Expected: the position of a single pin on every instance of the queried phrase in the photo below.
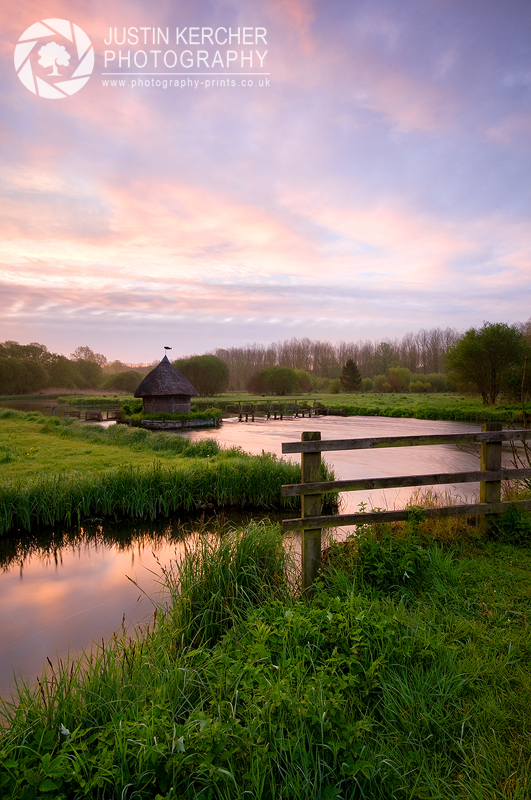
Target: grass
(409, 683)
(439, 406)
(64, 472)
(34, 445)
(443, 406)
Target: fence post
(491, 453)
(310, 507)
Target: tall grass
(241, 481)
(238, 689)
(190, 476)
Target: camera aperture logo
(61, 65)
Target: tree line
(423, 352)
(492, 360)
(30, 368)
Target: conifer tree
(350, 377)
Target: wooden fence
(311, 522)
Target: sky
(373, 180)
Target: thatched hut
(166, 389)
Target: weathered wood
(328, 445)
(490, 459)
(292, 490)
(368, 518)
(310, 507)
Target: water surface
(64, 590)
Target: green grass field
(63, 471)
(444, 406)
(440, 406)
(28, 449)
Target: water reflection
(66, 589)
(62, 590)
(395, 461)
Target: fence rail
(311, 490)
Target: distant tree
(385, 356)
(64, 374)
(483, 360)
(51, 55)
(381, 384)
(305, 380)
(398, 379)
(350, 378)
(34, 351)
(209, 375)
(127, 381)
(86, 354)
(21, 376)
(274, 380)
(91, 372)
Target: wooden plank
(292, 490)
(491, 459)
(328, 445)
(368, 518)
(311, 507)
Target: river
(60, 593)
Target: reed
(146, 493)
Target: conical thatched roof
(165, 380)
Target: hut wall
(170, 404)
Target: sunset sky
(378, 181)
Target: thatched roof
(165, 380)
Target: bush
(513, 527)
(380, 384)
(398, 379)
(305, 380)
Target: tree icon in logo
(51, 55)
(77, 68)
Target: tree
(483, 360)
(127, 381)
(305, 380)
(209, 375)
(274, 380)
(91, 372)
(398, 379)
(34, 351)
(51, 55)
(84, 353)
(350, 378)
(64, 373)
(21, 376)
(385, 356)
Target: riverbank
(407, 675)
(431, 406)
(62, 472)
